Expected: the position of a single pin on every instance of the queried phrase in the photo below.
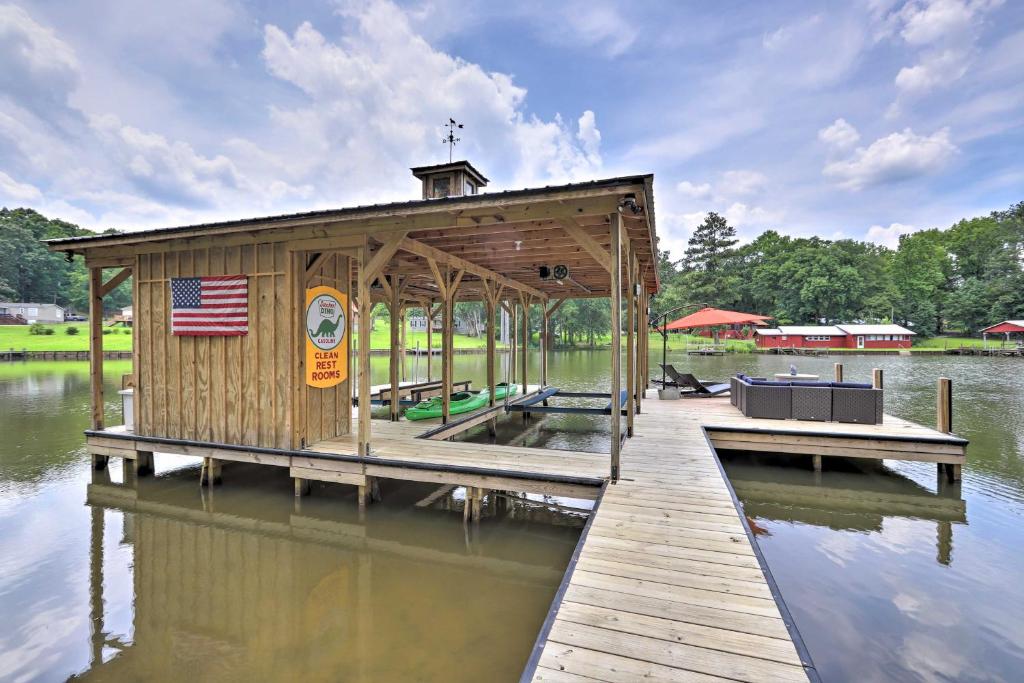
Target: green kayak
(461, 402)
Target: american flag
(215, 306)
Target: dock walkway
(666, 584)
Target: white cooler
(128, 408)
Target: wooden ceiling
(517, 250)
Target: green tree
(709, 273)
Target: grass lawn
(956, 342)
(17, 337)
(380, 338)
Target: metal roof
(809, 330)
(1015, 323)
(875, 329)
(346, 212)
(461, 165)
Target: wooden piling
(838, 370)
(96, 345)
(394, 377)
(944, 423)
(876, 378)
(211, 472)
(616, 321)
(302, 487)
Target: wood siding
(329, 411)
(221, 389)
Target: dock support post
(144, 463)
(944, 423)
(525, 303)
(876, 379)
(430, 312)
(473, 509)
(616, 321)
(302, 487)
(99, 462)
(489, 315)
(96, 346)
(210, 473)
(363, 378)
(838, 372)
(395, 380)
(630, 347)
(816, 462)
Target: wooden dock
(666, 582)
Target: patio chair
(698, 389)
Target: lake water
(889, 576)
(166, 581)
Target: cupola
(454, 179)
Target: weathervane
(450, 139)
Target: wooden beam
(393, 374)
(96, 345)
(383, 255)
(489, 313)
(317, 264)
(524, 301)
(630, 345)
(112, 284)
(363, 374)
(428, 252)
(573, 228)
(615, 272)
(550, 311)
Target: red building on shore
(834, 337)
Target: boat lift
(539, 403)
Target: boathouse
(1006, 327)
(274, 370)
(843, 336)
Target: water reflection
(850, 496)
(242, 585)
(108, 578)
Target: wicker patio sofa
(819, 401)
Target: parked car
(74, 318)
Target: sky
(863, 119)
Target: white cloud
(947, 32)
(688, 189)
(741, 183)
(594, 23)
(840, 135)
(889, 236)
(19, 192)
(935, 70)
(896, 157)
(37, 69)
(590, 137)
(926, 21)
(376, 99)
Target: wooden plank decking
(666, 585)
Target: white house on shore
(33, 312)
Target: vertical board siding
(221, 389)
(328, 412)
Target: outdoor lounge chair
(698, 389)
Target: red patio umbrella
(705, 317)
(709, 317)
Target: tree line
(962, 278)
(31, 272)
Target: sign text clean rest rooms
(326, 345)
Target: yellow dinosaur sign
(326, 344)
